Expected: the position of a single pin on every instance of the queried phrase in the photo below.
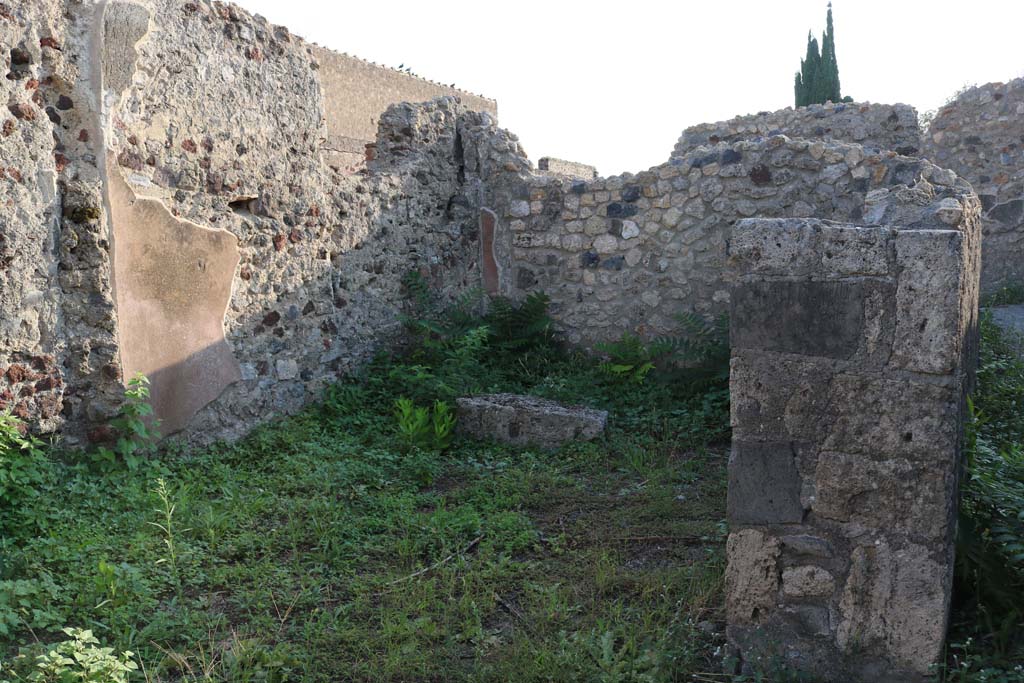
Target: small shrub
(79, 659)
(630, 359)
(23, 469)
(136, 438)
(423, 428)
(27, 602)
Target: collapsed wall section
(877, 127)
(852, 352)
(631, 253)
(980, 135)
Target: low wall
(852, 354)
(632, 252)
(877, 127)
(980, 135)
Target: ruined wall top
(875, 126)
(566, 169)
(980, 135)
(356, 93)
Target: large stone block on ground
(528, 420)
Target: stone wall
(852, 355)
(630, 253)
(174, 213)
(566, 169)
(877, 127)
(357, 92)
(980, 135)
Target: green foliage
(697, 358)
(519, 328)
(423, 428)
(817, 82)
(79, 659)
(990, 533)
(630, 359)
(966, 665)
(27, 603)
(1006, 296)
(136, 438)
(23, 470)
(359, 540)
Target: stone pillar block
(852, 355)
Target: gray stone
(764, 484)
(811, 318)
(528, 420)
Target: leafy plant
(990, 533)
(697, 358)
(423, 428)
(27, 602)
(167, 526)
(23, 468)
(630, 359)
(136, 437)
(79, 659)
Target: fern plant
(630, 359)
(520, 327)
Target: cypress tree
(810, 74)
(818, 79)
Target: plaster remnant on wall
(173, 283)
(124, 25)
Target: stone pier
(851, 359)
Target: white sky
(613, 84)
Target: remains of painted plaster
(211, 121)
(852, 356)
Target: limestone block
(895, 602)
(752, 575)
(896, 494)
(932, 273)
(775, 398)
(824, 319)
(527, 420)
(807, 581)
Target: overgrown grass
(329, 546)
(345, 544)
